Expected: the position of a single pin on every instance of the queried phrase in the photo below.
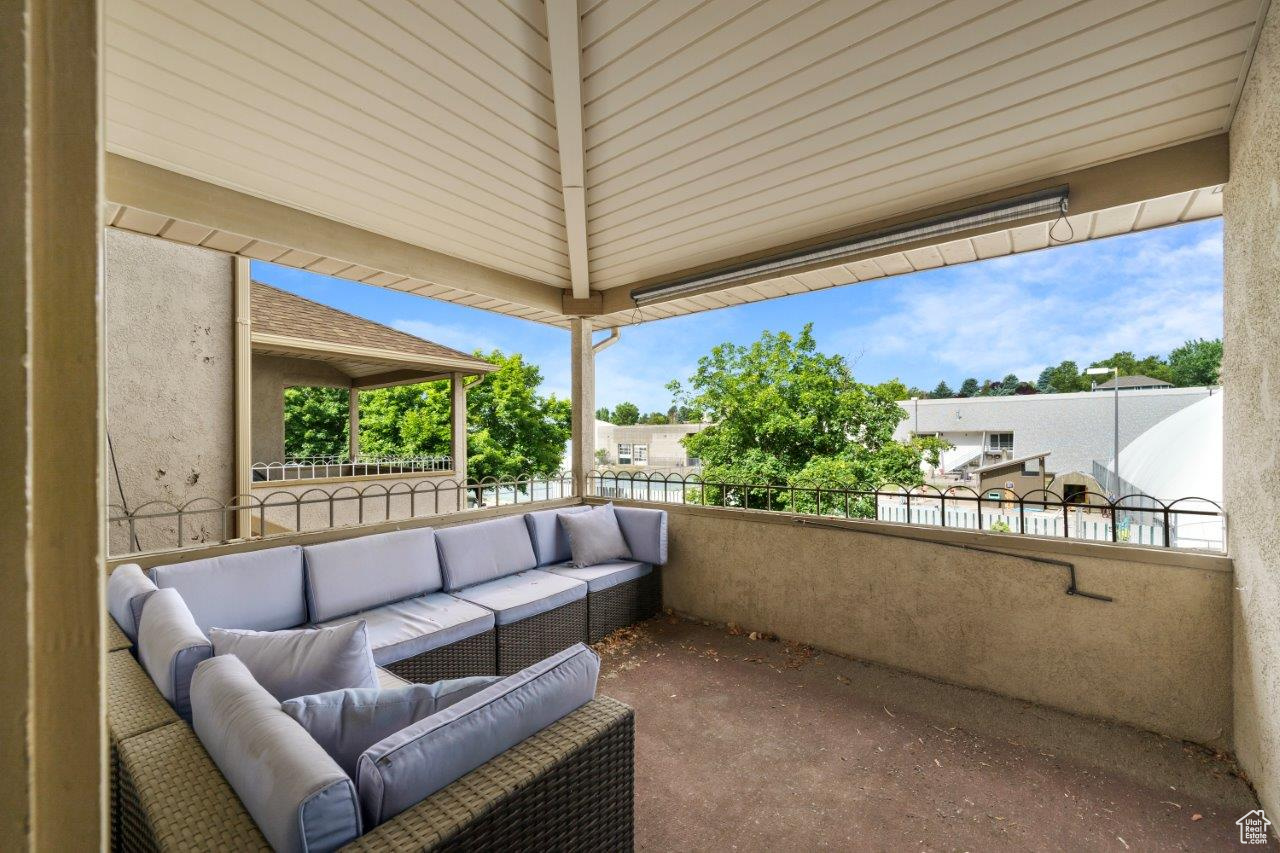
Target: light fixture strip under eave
(1039, 203)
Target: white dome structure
(1181, 456)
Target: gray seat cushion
(645, 531)
(258, 590)
(127, 588)
(550, 545)
(417, 761)
(388, 680)
(602, 576)
(475, 553)
(296, 793)
(303, 661)
(523, 595)
(595, 537)
(408, 628)
(347, 722)
(358, 574)
(170, 646)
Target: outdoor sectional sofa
(490, 598)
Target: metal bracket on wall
(1072, 587)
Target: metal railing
(317, 467)
(1187, 523)
(199, 522)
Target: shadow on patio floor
(748, 744)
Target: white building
(1077, 429)
(645, 445)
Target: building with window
(645, 445)
(1078, 428)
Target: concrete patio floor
(748, 744)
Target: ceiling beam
(184, 199)
(566, 86)
(1142, 177)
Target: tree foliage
(315, 422)
(783, 413)
(1197, 362)
(512, 430)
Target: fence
(161, 525)
(316, 467)
(1188, 523)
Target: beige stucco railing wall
(1157, 657)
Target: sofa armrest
(127, 590)
(645, 531)
(579, 769)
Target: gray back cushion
(475, 553)
(550, 545)
(595, 537)
(417, 761)
(359, 574)
(645, 531)
(297, 794)
(259, 590)
(170, 646)
(347, 722)
(127, 588)
(303, 661)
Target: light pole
(1103, 371)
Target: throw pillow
(595, 537)
(303, 661)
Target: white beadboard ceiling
(711, 129)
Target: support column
(243, 279)
(52, 744)
(353, 424)
(583, 389)
(1251, 413)
(458, 426)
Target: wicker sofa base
(528, 641)
(477, 655)
(569, 787)
(623, 605)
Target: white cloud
(458, 337)
(1146, 293)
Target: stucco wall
(1075, 429)
(271, 375)
(1251, 375)
(170, 377)
(1158, 657)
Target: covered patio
(597, 165)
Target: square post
(353, 424)
(52, 738)
(458, 426)
(583, 389)
(242, 282)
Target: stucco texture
(170, 381)
(1158, 657)
(1251, 375)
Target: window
(1031, 468)
(624, 454)
(1000, 441)
(640, 454)
(994, 495)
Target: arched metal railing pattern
(318, 467)
(1111, 518)
(165, 525)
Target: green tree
(1062, 379)
(602, 413)
(968, 388)
(688, 415)
(626, 414)
(512, 431)
(315, 422)
(784, 413)
(1197, 362)
(655, 418)
(1130, 365)
(942, 391)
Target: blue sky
(1146, 292)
